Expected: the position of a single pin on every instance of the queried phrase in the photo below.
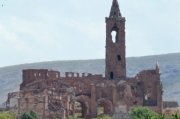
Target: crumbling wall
(147, 86)
(48, 101)
(124, 93)
(31, 75)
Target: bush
(106, 117)
(175, 116)
(5, 115)
(29, 115)
(143, 113)
(146, 113)
(55, 118)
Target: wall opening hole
(114, 13)
(85, 74)
(80, 74)
(139, 83)
(135, 102)
(35, 74)
(146, 97)
(113, 34)
(81, 109)
(75, 75)
(111, 75)
(70, 75)
(78, 109)
(100, 109)
(119, 57)
(39, 74)
(57, 75)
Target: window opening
(111, 75)
(135, 102)
(146, 97)
(119, 57)
(113, 33)
(57, 75)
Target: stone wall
(48, 103)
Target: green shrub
(159, 117)
(106, 117)
(175, 116)
(29, 115)
(55, 118)
(142, 113)
(4, 115)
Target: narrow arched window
(111, 75)
(113, 34)
(119, 57)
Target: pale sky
(48, 30)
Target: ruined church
(50, 94)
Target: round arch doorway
(82, 108)
(104, 107)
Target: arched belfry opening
(114, 33)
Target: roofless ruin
(51, 95)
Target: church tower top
(115, 11)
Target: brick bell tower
(115, 50)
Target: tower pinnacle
(157, 68)
(115, 12)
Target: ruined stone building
(50, 94)
(170, 104)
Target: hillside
(11, 76)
